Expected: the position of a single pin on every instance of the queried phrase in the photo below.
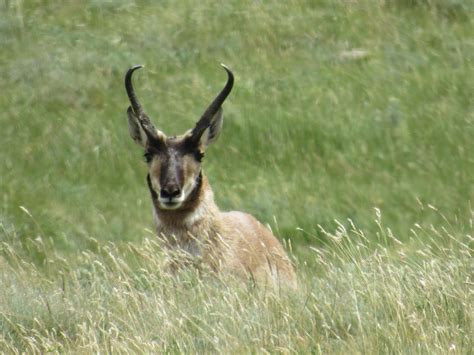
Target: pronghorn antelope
(187, 219)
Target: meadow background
(349, 131)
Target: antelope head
(174, 163)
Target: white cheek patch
(155, 183)
(154, 172)
(188, 188)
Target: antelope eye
(198, 155)
(148, 156)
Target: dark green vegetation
(338, 107)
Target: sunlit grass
(366, 295)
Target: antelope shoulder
(254, 250)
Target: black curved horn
(207, 116)
(137, 108)
(143, 119)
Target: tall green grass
(339, 107)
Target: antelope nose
(170, 191)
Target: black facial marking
(198, 182)
(153, 193)
(190, 147)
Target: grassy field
(349, 131)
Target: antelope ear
(138, 134)
(212, 132)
